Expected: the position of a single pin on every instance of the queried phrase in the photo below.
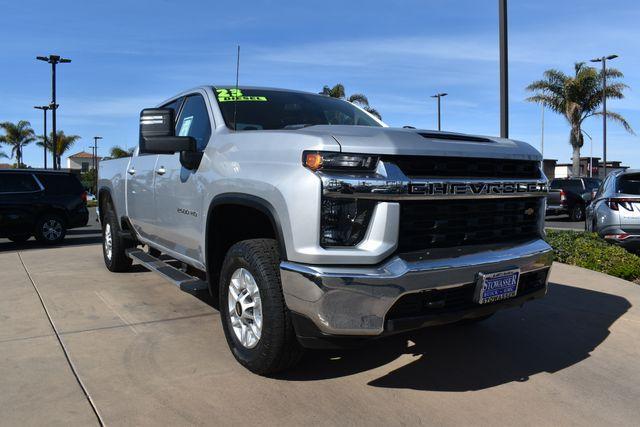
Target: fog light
(344, 222)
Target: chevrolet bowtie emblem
(529, 211)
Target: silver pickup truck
(315, 225)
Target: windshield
(629, 184)
(257, 109)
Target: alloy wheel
(108, 241)
(245, 308)
(52, 229)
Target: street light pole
(542, 134)
(44, 109)
(54, 60)
(438, 96)
(95, 160)
(504, 71)
(604, 59)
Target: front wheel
(255, 319)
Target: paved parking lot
(148, 354)
(563, 223)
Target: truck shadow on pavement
(547, 335)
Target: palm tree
(117, 152)
(3, 155)
(577, 98)
(359, 99)
(17, 135)
(65, 142)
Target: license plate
(493, 287)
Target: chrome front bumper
(342, 300)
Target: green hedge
(590, 251)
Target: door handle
(161, 170)
(131, 171)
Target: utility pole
(504, 71)
(95, 161)
(542, 134)
(54, 60)
(604, 60)
(44, 109)
(438, 96)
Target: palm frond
(360, 99)
(117, 152)
(618, 118)
(373, 111)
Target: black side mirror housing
(157, 136)
(157, 122)
(167, 144)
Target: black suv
(40, 203)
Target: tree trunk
(576, 161)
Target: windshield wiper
(298, 126)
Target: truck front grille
(460, 298)
(426, 224)
(456, 167)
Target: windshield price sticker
(226, 95)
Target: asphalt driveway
(147, 354)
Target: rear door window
(628, 184)
(60, 184)
(18, 183)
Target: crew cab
(317, 225)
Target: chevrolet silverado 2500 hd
(314, 223)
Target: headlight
(339, 161)
(344, 222)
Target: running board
(179, 278)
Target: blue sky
(131, 55)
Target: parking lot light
(54, 60)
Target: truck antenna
(235, 98)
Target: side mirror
(157, 133)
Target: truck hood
(401, 141)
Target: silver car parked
(615, 211)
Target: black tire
(20, 239)
(116, 259)
(577, 213)
(50, 229)
(277, 348)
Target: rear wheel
(113, 245)
(255, 319)
(577, 213)
(50, 229)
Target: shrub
(588, 250)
